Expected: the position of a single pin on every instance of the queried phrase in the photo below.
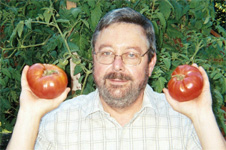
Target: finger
(24, 77)
(205, 77)
(170, 100)
(204, 74)
(62, 97)
(195, 65)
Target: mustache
(115, 75)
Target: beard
(121, 96)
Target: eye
(131, 55)
(106, 53)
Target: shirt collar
(94, 105)
(149, 96)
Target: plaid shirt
(82, 124)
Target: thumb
(58, 100)
(170, 100)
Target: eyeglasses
(129, 58)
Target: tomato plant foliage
(46, 32)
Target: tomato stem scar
(179, 77)
(49, 72)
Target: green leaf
(3, 82)
(80, 79)
(20, 27)
(194, 4)
(6, 72)
(13, 35)
(28, 23)
(63, 20)
(16, 75)
(91, 3)
(213, 73)
(73, 47)
(78, 69)
(217, 76)
(85, 8)
(88, 88)
(47, 15)
(184, 57)
(157, 72)
(160, 38)
(167, 63)
(221, 30)
(90, 79)
(52, 43)
(207, 20)
(82, 42)
(75, 11)
(198, 24)
(223, 85)
(155, 25)
(13, 95)
(5, 104)
(178, 9)
(162, 20)
(53, 54)
(86, 23)
(165, 7)
(220, 43)
(218, 96)
(173, 32)
(95, 16)
(40, 16)
(159, 84)
(175, 55)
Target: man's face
(120, 84)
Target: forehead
(121, 36)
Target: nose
(118, 64)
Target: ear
(151, 64)
(93, 55)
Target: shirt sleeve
(193, 142)
(42, 143)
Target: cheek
(98, 71)
(137, 75)
(139, 72)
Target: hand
(196, 107)
(30, 103)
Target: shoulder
(75, 107)
(77, 102)
(161, 105)
(157, 100)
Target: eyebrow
(104, 46)
(127, 48)
(135, 48)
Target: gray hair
(127, 15)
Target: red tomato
(186, 83)
(46, 80)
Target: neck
(123, 115)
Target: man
(124, 112)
